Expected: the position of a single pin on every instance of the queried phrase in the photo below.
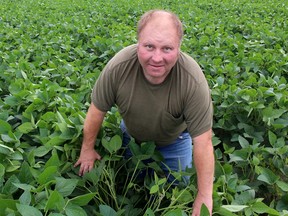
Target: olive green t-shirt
(161, 112)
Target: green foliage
(51, 53)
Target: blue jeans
(177, 156)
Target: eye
(149, 47)
(167, 49)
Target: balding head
(160, 14)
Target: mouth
(156, 66)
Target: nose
(157, 56)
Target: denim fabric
(177, 156)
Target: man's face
(158, 48)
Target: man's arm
(92, 125)
(203, 154)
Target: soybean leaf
(270, 114)
(25, 198)
(148, 148)
(73, 209)
(55, 201)
(24, 186)
(42, 151)
(5, 149)
(272, 138)
(9, 187)
(2, 171)
(4, 127)
(82, 200)
(47, 175)
(26, 127)
(116, 143)
(135, 148)
(149, 212)
(154, 189)
(234, 208)
(25, 175)
(267, 176)
(107, 210)
(282, 185)
(184, 196)
(261, 208)
(175, 212)
(65, 186)
(113, 145)
(55, 141)
(53, 160)
(204, 210)
(26, 210)
(7, 203)
(56, 214)
(243, 142)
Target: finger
(82, 170)
(77, 163)
(85, 168)
(97, 156)
(90, 168)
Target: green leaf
(47, 175)
(25, 198)
(148, 148)
(184, 196)
(107, 210)
(72, 210)
(234, 208)
(5, 149)
(261, 208)
(7, 203)
(149, 212)
(204, 210)
(135, 148)
(154, 189)
(4, 127)
(56, 214)
(113, 145)
(225, 212)
(26, 210)
(25, 175)
(42, 151)
(55, 141)
(272, 138)
(116, 143)
(238, 155)
(53, 160)
(82, 200)
(65, 186)
(55, 202)
(9, 187)
(162, 181)
(26, 127)
(267, 176)
(2, 171)
(269, 114)
(175, 212)
(243, 142)
(282, 185)
(24, 186)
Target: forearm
(203, 152)
(204, 164)
(92, 125)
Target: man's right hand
(86, 160)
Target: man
(162, 96)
